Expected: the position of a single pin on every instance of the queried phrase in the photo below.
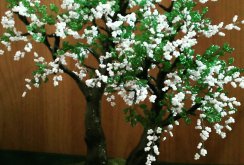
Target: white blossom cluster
(90, 34)
(133, 93)
(1, 52)
(69, 5)
(153, 137)
(22, 9)
(110, 98)
(171, 48)
(96, 82)
(186, 42)
(216, 77)
(62, 29)
(47, 68)
(172, 82)
(103, 9)
(218, 29)
(80, 71)
(178, 103)
(189, 26)
(220, 102)
(21, 54)
(135, 44)
(204, 134)
(170, 128)
(205, 1)
(8, 20)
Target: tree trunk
(138, 156)
(95, 140)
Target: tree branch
(25, 34)
(56, 45)
(167, 9)
(53, 51)
(95, 54)
(23, 19)
(80, 83)
(46, 42)
(123, 6)
(144, 75)
(51, 35)
(190, 111)
(102, 28)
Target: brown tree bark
(95, 139)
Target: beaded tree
(142, 51)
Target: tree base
(110, 162)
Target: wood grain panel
(51, 119)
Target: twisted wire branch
(53, 51)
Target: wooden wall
(51, 119)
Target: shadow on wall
(35, 158)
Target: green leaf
(231, 61)
(196, 16)
(54, 8)
(143, 106)
(131, 116)
(204, 11)
(227, 48)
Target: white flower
(203, 152)
(104, 78)
(1, 52)
(197, 156)
(203, 1)
(21, 9)
(155, 149)
(147, 149)
(90, 83)
(28, 47)
(56, 80)
(159, 130)
(28, 86)
(90, 34)
(67, 4)
(150, 131)
(241, 84)
(199, 146)
(60, 29)
(24, 94)
(103, 9)
(7, 22)
(18, 55)
(152, 98)
(114, 25)
(235, 18)
(221, 34)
